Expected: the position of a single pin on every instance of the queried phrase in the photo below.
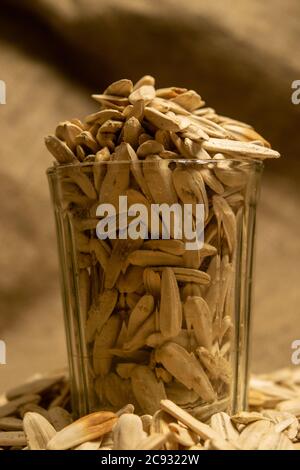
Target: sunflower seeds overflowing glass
(156, 317)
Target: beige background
(241, 56)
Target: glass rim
(246, 162)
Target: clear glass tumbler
(149, 315)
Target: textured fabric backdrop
(241, 56)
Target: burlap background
(241, 56)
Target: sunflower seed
(34, 408)
(116, 390)
(201, 429)
(158, 177)
(185, 368)
(190, 188)
(149, 147)
(38, 431)
(104, 115)
(161, 121)
(242, 149)
(189, 275)
(216, 365)
(12, 438)
(251, 437)
(34, 387)
(128, 432)
(136, 110)
(198, 318)
(152, 282)
(147, 389)
(189, 100)
(106, 99)
(183, 436)
(125, 369)
(12, 406)
(146, 421)
(222, 424)
(59, 417)
(68, 132)
(153, 258)
(184, 339)
(115, 181)
(104, 340)
(100, 312)
(122, 87)
(170, 313)
(110, 126)
(285, 424)
(145, 80)
(86, 139)
(290, 406)
(89, 427)
(129, 409)
(212, 181)
(143, 92)
(244, 133)
(275, 441)
(59, 150)
(141, 333)
(11, 424)
(131, 131)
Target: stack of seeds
(157, 318)
(272, 423)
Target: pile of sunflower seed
(157, 317)
(36, 416)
